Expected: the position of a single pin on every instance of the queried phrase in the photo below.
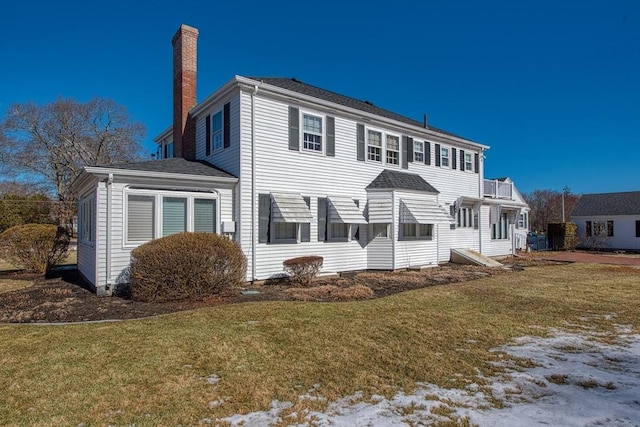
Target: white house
(613, 217)
(289, 169)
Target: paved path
(599, 258)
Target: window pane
(174, 215)
(140, 217)
(393, 143)
(339, 230)
(217, 121)
(204, 215)
(380, 230)
(408, 230)
(426, 230)
(285, 230)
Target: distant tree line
(546, 207)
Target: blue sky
(552, 86)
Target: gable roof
(174, 165)
(388, 179)
(296, 85)
(627, 203)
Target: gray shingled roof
(389, 179)
(326, 95)
(174, 165)
(627, 203)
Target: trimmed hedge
(34, 247)
(304, 269)
(186, 265)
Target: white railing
(498, 189)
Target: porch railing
(498, 189)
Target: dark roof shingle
(627, 203)
(174, 165)
(388, 179)
(326, 95)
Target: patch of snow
(574, 381)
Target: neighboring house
(288, 169)
(608, 219)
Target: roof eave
(106, 171)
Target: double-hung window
(216, 130)
(468, 162)
(312, 132)
(418, 151)
(86, 220)
(374, 144)
(393, 150)
(444, 156)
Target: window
(151, 214)
(418, 151)
(165, 151)
(465, 218)
(285, 231)
(393, 150)
(523, 221)
(587, 228)
(312, 132)
(374, 146)
(444, 156)
(204, 215)
(380, 230)
(86, 220)
(468, 162)
(339, 231)
(140, 217)
(500, 230)
(610, 228)
(216, 130)
(174, 215)
(599, 228)
(417, 231)
(637, 228)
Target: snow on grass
(572, 380)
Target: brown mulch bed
(64, 298)
(593, 257)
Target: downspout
(254, 235)
(393, 231)
(109, 183)
(481, 197)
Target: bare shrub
(34, 247)
(332, 293)
(304, 269)
(595, 242)
(186, 265)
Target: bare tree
(546, 207)
(52, 142)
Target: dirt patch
(593, 257)
(63, 298)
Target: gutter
(98, 170)
(254, 235)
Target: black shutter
(637, 228)
(360, 132)
(322, 219)
(476, 160)
(208, 133)
(409, 150)
(454, 159)
(462, 160)
(305, 227)
(264, 216)
(437, 148)
(227, 124)
(294, 129)
(331, 136)
(427, 152)
(405, 152)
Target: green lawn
(154, 371)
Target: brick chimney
(185, 44)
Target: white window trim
(158, 195)
(275, 240)
(468, 166)
(332, 238)
(421, 152)
(416, 235)
(442, 156)
(87, 220)
(221, 132)
(383, 147)
(323, 143)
